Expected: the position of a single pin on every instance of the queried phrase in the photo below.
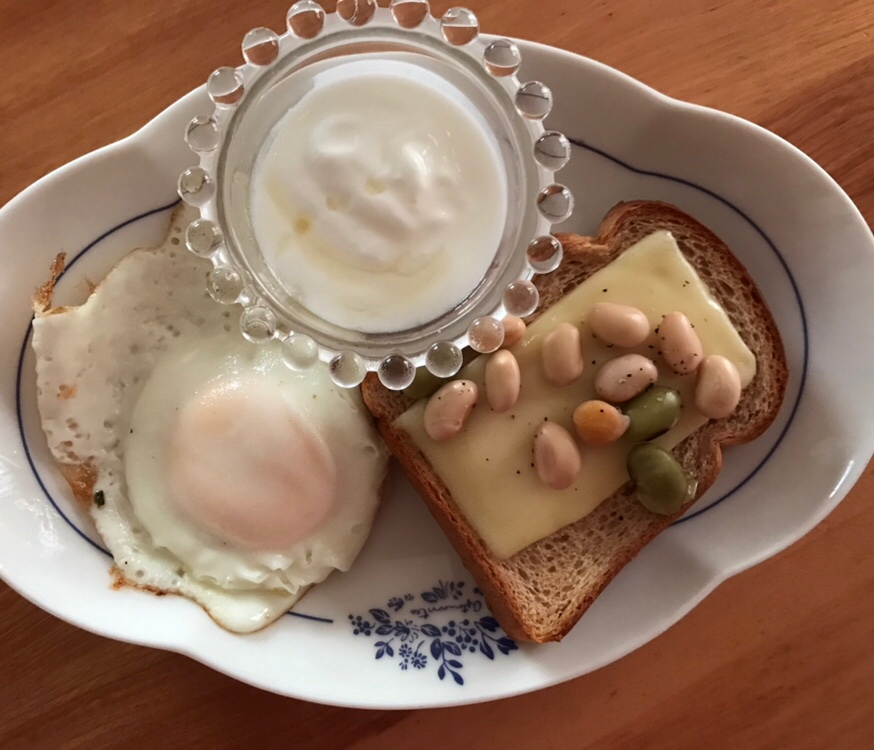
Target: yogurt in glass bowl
(376, 189)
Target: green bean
(652, 413)
(661, 484)
(423, 385)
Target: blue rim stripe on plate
(19, 373)
(18, 402)
(27, 455)
(579, 144)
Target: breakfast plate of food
(374, 413)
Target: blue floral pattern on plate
(406, 636)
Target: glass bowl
(250, 99)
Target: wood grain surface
(781, 656)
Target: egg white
(334, 415)
(125, 356)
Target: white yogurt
(379, 200)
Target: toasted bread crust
(603, 542)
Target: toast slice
(540, 593)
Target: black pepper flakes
(99, 499)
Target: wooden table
(781, 656)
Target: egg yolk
(243, 466)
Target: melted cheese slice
(488, 466)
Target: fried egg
(210, 469)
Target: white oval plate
(381, 636)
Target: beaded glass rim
(229, 283)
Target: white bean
(556, 456)
(514, 330)
(618, 325)
(718, 390)
(562, 354)
(502, 380)
(621, 379)
(448, 409)
(679, 343)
